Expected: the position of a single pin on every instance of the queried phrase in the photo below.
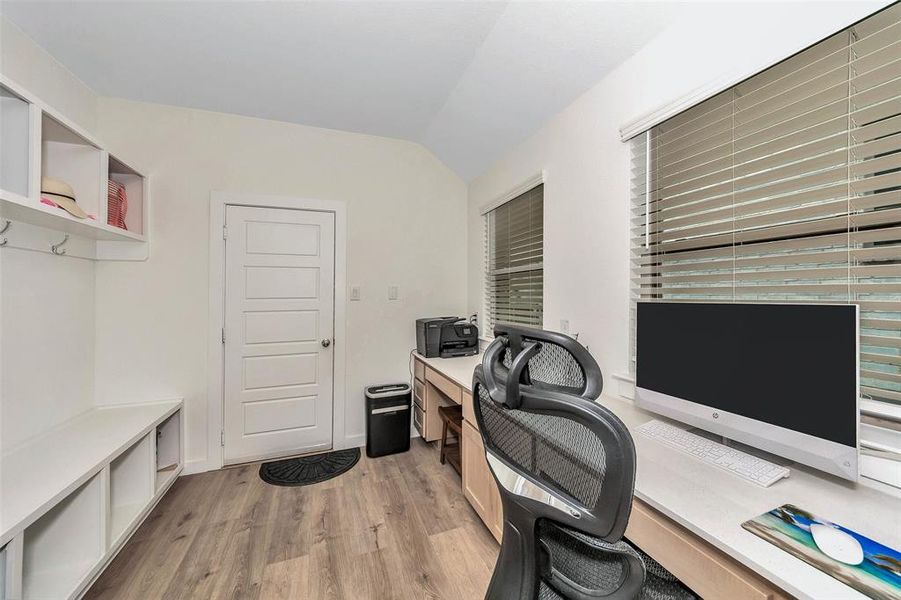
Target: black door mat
(307, 470)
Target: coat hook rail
(56, 248)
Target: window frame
(520, 191)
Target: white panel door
(279, 323)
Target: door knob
(326, 343)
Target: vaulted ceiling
(466, 79)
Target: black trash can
(387, 419)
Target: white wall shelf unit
(15, 149)
(37, 141)
(59, 532)
(4, 564)
(11, 570)
(3, 573)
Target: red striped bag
(117, 205)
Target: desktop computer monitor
(779, 377)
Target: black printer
(446, 337)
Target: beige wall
(76, 333)
(29, 65)
(46, 302)
(406, 226)
(586, 192)
(46, 341)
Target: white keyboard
(750, 468)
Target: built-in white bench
(71, 497)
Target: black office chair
(565, 468)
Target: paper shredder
(387, 419)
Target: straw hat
(64, 196)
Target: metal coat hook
(6, 227)
(55, 248)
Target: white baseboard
(193, 467)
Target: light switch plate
(392, 292)
(354, 293)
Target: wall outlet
(354, 293)
(392, 292)
(564, 326)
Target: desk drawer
(709, 572)
(419, 393)
(418, 420)
(418, 369)
(444, 385)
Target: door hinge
(225, 232)
(223, 335)
(222, 438)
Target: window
(787, 188)
(514, 273)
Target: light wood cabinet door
(479, 486)
(468, 412)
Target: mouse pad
(865, 565)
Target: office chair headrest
(522, 357)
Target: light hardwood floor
(392, 527)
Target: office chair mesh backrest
(559, 452)
(536, 414)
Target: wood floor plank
(392, 528)
(467, 571)
(286, 578)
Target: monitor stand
(756, 452)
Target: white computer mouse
(837, 544)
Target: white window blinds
(786, 188)
(514, 273)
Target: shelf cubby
(69, 157)
(133, 182)
(63, 546)
(15, 133)
(168, 449)
(131, 486)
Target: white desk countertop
(713, 504)
(459, 369)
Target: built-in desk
(688, 514)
